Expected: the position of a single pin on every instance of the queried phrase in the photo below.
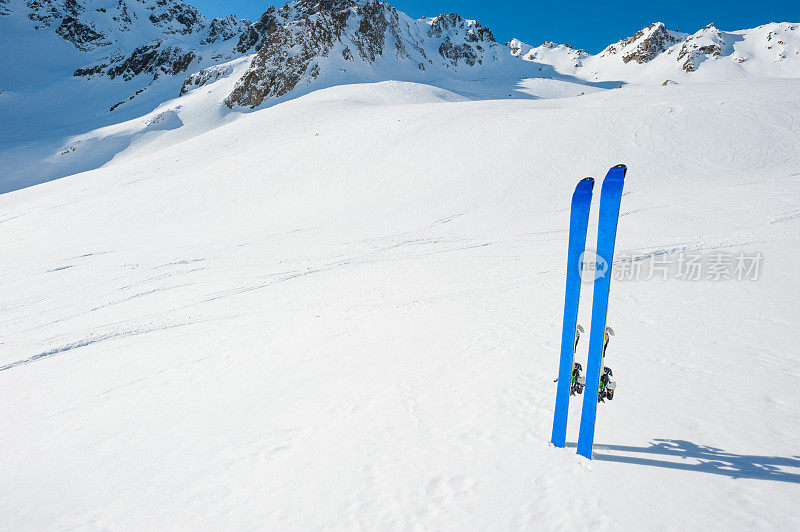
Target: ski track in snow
(83, 343)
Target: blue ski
(578, 222)
(610, 197)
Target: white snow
(771, 50)
(344, 311)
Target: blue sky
(583, 24)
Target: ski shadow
(702, 459)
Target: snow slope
(343, 311)
(82, 80)
(85, 82)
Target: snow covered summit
(155, 49)
(655, 53)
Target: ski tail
(578, 223)
(610, 198)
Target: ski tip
(616, 173)
(619, 168)
(584, 188)
(585, 184)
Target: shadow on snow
(702, 459)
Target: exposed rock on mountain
(305, 39)
(152, 59)
(253, 35)
(655, 53)
(204, 77)
(453, 23)
(648, 43)
(177, 17)
(706, 43)
(310, 44)
(81, 35)
(128, 38)
(225, 28)
(562, 56)
(80, 23)
(645, 45)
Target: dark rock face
(454, 23)
(75, 22)
(45, 13)
(277, 69)
(297, 34)
(225, 29)
(177, 17)
(67, 16)
(458, 52)
(122, 16)
(657, 41)
(154, 60)
(78, 33)
(294, 44)
(371, 35)
(252, 36)
(89, 71)
(709, 45)
(204, 77)
(451, 23)
(691, 63)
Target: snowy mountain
(561, 56)
(322, 44)
(307, 272)
(154, 50)
(114, 72)
(137, 41)
(339, 41)
(85, 82)
(655, 54)
(645, 45)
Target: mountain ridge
(84, 80)
(656, 53)
(130, 39)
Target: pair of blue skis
(610, 198)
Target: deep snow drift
(344, 311)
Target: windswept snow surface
(344, 311)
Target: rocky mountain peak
(176, 17)
(706, 43)
(306, 39)
(645, 45)
(455, 24)
(309, 44)
(225, 28)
